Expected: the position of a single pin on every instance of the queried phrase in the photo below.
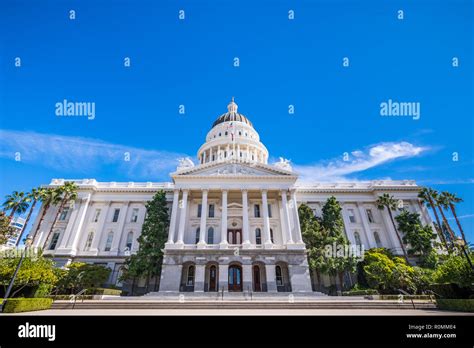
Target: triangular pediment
(233, 170)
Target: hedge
(103, 291)
(16, 305)
(406, 297)
(69, 297)
(360, 292)
(460, 305)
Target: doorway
(235, 278)
(234, 236)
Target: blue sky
(282, 62)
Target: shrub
(16, 305)
(406, 297)
(103, 291)
(454, 269)
(360, 292)
(460, 305)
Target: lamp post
(28, 242)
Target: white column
(238, 152)
(282, 221)
(69, 229)
(224, 243)
(266, 221)
(392, 235)
(286, 216)
(365, 223)
(204, 157)
(245, 220)
(81, 217)
(119, 232)
(182, 217)
(347, 222)
(203, 225)
(174, 216)
(298, 235)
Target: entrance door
(234, 236)
(257, 287)
(213, 278)
(235, 278)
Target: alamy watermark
(68, 109)
(344, 251)
(402, 109)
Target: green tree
(428, 196)
(147, 262)
(34, 196)
(68, 194)
(451, 199)
(6, 230)
(81, 275)
(454, 269)
(33, 272)
(387, 201)
(48, 197)
(17, 202)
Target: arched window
(357, 238)
(190, 278)
(198, 232)
(108, 242)
(377, 240)
(278, 276)
(210, 235)
(129, 240)
(258, 236)
(271, 236)
(238, 239)
(90, 237)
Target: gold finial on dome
(232, 107)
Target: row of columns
(288, 228)
(233, 152)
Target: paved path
(390, 312)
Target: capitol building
(234, 222)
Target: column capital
(206, 190)
(244, 190)
(264, 191)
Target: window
(352, 217)
(134, 215)
(63, 214)
(270, 210)
(226, 133)
(271, 235)
(256, 210)
(377, 240)
(54, 241)
(116, 215)
(198, 232)
(210, 236)
(220, 134)
(370, 216)
(199, 210)
(190, 280)
(96, 215)
(108, 243)
(279, 277)
(240, 133)
(129, 240)
(258, 236)
(211, 210)
(357, 238)
(90, 237)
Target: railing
(403, 292)
(74, 297)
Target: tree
(149, 258)
(81, 275)
(387, 201)
(454, 269)
(48, 197)
(442, 204)
(33, 272)
(68, 193)
(451, 199)
(17, 202)
(34, 196)
(6, 230)
(428, 196)
(419, 237)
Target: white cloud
(83, 155)
(337, 169)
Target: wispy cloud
(467, 216)
(358, 160)
(83, 155)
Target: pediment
(233, 170)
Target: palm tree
(428, 196)
(17, 202)
(68, 192)
(442, 203)
(451, 199)
(48, 197)
(387, 201)
(34, 196)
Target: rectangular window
(352, 217)
(270, 210)
(63, 214)
(90, 237)
(199, 210)
(108, 243)
(256, 210)
(96, 215)
(116, 215)
(54, 241)
(134, 215)
(370, 216)
(211, 210)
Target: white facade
(234, 221)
